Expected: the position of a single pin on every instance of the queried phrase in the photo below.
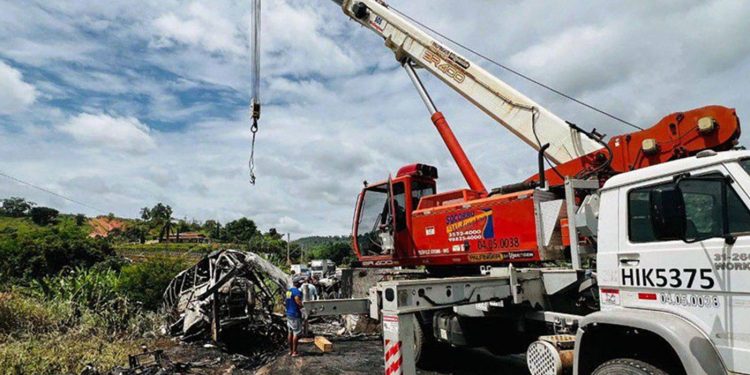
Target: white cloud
(338, 109)
(200, 26)
(287, 224)
(15, 94)
(595, 62)
(106, 132)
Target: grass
(61, 324)
(21, 315)
(66, 300)
(54, 336)
(200, 248)
(24, 225)
(69, 352)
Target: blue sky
(124, 104)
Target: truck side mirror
(667, 213)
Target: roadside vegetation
(60, 324)
(78, 291)
(67, 300)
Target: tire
(627, 366)
(419, 340)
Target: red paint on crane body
(469, 227)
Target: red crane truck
(626, 256)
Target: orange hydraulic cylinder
(458, 153)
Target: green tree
(45, 251)
(183, 226)
(135, 232)
(339, 252)
(161, 212)
(213, 229)
(145, 214)
(80, 219)
(16, 207)
(161, 216)
(241, 230)
(273, 233)
(43, 215)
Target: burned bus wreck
(227, 288)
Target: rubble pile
(193, 359)
(227, 300)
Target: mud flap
(398, 343)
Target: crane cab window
(399, 201)
(419, 189)
(705, 211)
(374, 212)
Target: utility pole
(288, 242)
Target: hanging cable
(255, 102)
(511, 70)
(29, 184)
(534, 116)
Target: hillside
(24, 225)
(313, 241)
(102, 226)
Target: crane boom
(529, 121)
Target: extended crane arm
(529, 121)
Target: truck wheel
(627, 366)
(419, 339)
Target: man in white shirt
(309, 291)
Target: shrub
(37, 252)
(90, 288)
(43, 215)
(21, 314)
(80, 219)
(146, 281)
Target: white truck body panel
(705, 282)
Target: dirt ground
(364, 356)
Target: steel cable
(511, 70)
(255, 91)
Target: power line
(22, 182)
(509, 69)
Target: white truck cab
(671, 273)
(673, 259)
(321, 268)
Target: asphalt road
(365, 357)
(454, 361)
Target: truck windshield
(745, 163)
(373, 212)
